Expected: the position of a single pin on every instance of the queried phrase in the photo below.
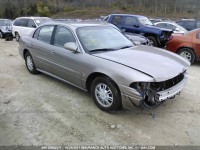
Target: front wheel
(187, 54)
(153, 41)
(106, 94)
(17, 37)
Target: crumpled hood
(157, 63)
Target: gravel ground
(40, 110)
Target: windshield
(105, 38)
(144, 20)
(40, 21)
(5, 22)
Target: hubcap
(29, 62)
(104, 95)
(17, 37)
(186, 55)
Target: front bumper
(168, 93)
(131, 98)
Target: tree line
(14, 8)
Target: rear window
(198, 24)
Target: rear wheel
(153, 41)
(17, 37)
(105, 94)
(30, 64)
(187, 54)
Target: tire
(188, 54)
(17, 37)
(30, 64)
(153, 41)
(106, 94)
(1, 35)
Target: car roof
(169, 22)
(127, 15)
(79, 24)
(31, 17)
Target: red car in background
(186, 45)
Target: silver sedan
(98, 58)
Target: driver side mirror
(34, 26)
(136, 25)
(71, 46)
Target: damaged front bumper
(131, 97)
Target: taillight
(171, 37)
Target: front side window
(31, 23)
(130, 21)
(170, 26)
(46, 34)
(117, 20)
(107, 38)
(40, 21)
(62, 36)
(24, 22)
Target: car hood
(157, 63)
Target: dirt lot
(40, 110)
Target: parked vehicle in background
(141, 25)
(155, 20)
(171, 25)
(111, 68)
(138, 39)
(25, 25)
(186, 45)
(5, 28)
(189, 24)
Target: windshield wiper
(101, 49)
(125, 47)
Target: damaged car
(98, 58)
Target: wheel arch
(188, 48)
(93, 75)
(25, 51)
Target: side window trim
(38, 29)
(39, 33)
(54, 32)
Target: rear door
(65, 63)
(41, 47)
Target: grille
(167, 84)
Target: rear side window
(130, 21)
(198, 24)
(162, 25)
(17, 22)
(45, 34)
(24, 22)
(62, 36)
(31, 23)
(190, 24)
(35, 36)
(117, 20)
(198, 35)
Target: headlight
(137, 42)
